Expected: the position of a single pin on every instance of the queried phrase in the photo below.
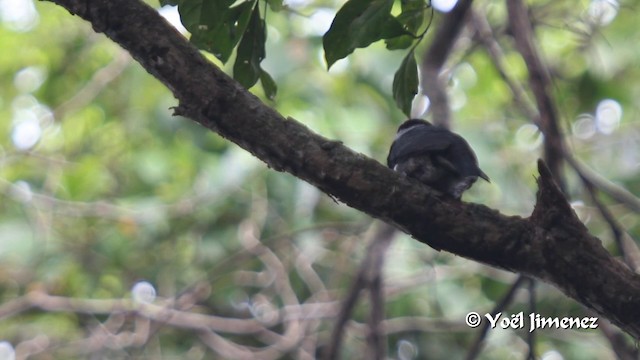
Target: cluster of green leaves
(359, 23)
(219, 27)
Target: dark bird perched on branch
(434, 156)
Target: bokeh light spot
(528, 137)
(602, 12)
(608, 116)
(419, 105)
(6, 351)
(407, 350)
(170, 13)
(584, 127)
(444, 5)
(29, 79)
(26, 134)
(18, 15)
(143, 292)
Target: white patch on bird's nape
(403, 131)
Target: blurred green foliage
(101, 187)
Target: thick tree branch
(551, 245)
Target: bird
(435, 156)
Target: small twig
(224, 347)
(382, 236)
(304, 268)
(475, 349)
(376, 340)
(487, 38)
(531, 335)
(628, 249)
(434, 58)
(144, 314)
(94, 86)
(422, 324)
(617, 193)
(618, 341)
(540, 83)
(343, 317)
(294, 331)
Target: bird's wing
(446, 164)
(418, 141)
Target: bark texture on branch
(552, 245)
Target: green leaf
(358, 24)
(268, 85)
(392, 28)
(214, 25)
(169, 2)
(246, 69)
(412, 18)
(275, 5)
(405, 83)
(412, 15)
(198, 14)
(400, 42)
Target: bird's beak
(484, 176)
